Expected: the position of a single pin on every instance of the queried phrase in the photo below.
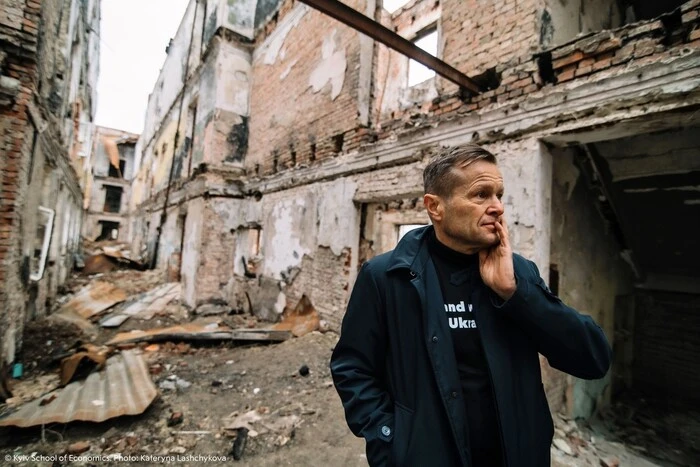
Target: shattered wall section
(591, 273)
(305, 94)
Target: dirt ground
(292, 417)
(225, 381)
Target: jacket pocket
(403, 426)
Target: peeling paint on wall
(271, 48)
(332, 67)
(287, 70)
(292, 222)
(338, 216)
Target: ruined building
(109, 172)
(283, 148)
(49, 54)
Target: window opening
(417, 72)
(393, 5)
(113, 199)
(405, 228)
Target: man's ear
(433, 204)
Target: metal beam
(376, 31)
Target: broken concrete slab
(123, 387)
(198, 331)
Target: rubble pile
(217, 383)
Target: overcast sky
(134, 34)
(133, 37)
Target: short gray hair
(438, 178)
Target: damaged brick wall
(18, 36)
(304, 99)
(38, 111)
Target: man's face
(465, 219)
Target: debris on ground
(200, 332)
(87, 357)
(181, 377)
(104, 257)
(300, 320)
(94, 299)
(146, 306)
(51, 338)
(123, 387)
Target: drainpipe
(164, 212)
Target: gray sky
(134, 34)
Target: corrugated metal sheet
(149, 304)
(123, 387)
(94, 299)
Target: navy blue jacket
(395, 371)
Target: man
(437, 363)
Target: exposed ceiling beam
(376, 31)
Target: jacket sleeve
(571, 342)
(357, 366)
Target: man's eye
(481, 194)
(500, 195)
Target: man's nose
(495, 207)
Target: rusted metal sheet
(197, 331)
(94, 299)
(358, 21)
(123, 387)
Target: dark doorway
(110, 231)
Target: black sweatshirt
(457, 273)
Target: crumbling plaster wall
(304, 94)
(298, 226)
(591, 272)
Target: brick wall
(480, 35)
(18, 40)
(35, 167)
(588, 59)
(291, 122)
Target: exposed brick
(568, 60)
(580, 71)
(694, 34)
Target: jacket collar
(412, 251)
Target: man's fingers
(502, 233)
